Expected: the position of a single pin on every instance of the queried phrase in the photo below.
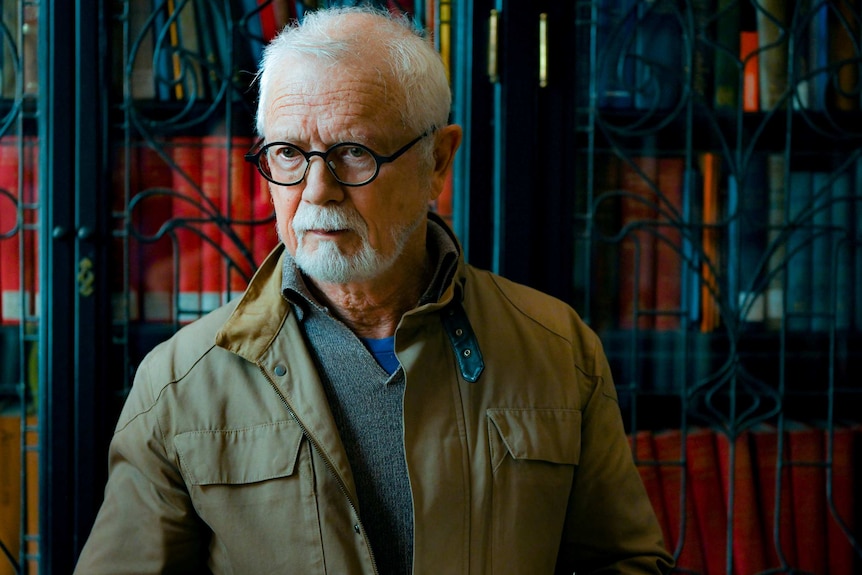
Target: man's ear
(446, 142)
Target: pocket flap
(552, 435)
(237, 456)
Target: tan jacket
(226, 458)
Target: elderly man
(371, 404)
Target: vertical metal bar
(56, 381)
(498, 195)
(461, 94)
(473, 110)
(91, 291)
(74, 320)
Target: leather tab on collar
(464, 341)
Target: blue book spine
(822, 271)
(841, 209)
(798, 250)
(251, 31)
(753, 230)
(659, 58)
(162, 52)
(732, 242)
(857, 217)
(615, 65)
(818, 57)
(692, 209)
(776, 174)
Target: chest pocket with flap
(253, 487)
(239, 456)
(550, 435)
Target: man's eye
(287, 153)
(352, 155)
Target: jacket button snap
(467, 353)
(459, 332)
(280, 370)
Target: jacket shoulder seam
(161, 390)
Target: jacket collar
(259, 313)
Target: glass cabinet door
(688, 176)
(20, 318)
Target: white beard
(327, 263)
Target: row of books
(198, 222)
(181, 50)
(19, 229)
(696, 246)
(791, 498)
(736, 51)
(193, 221)
(12, 494)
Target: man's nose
(321, 187)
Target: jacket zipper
(329, 465)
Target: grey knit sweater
(367, 405)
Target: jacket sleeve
(146, 523)
(610, 523)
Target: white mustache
(327, 218)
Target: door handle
(543, 50)
(493, 46)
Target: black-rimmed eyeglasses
(351, 164)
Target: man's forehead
(302, 98)
(310, 79)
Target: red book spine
(10, 234)
(711, 169)
(151, 213)
(777, 523)
(668, 277)
(285, 11)
(749, 551)
(212, 184)
(679, 502)
(186, 151)
(646, 462)
(842, 477)
(637, 249)
(703, 469)
(237, 210)
(30, 192)
(268, 20)
(748, 46)
(844, 24)
(808, 479)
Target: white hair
(421, 92)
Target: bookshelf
(705, 299)
(716, 232)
